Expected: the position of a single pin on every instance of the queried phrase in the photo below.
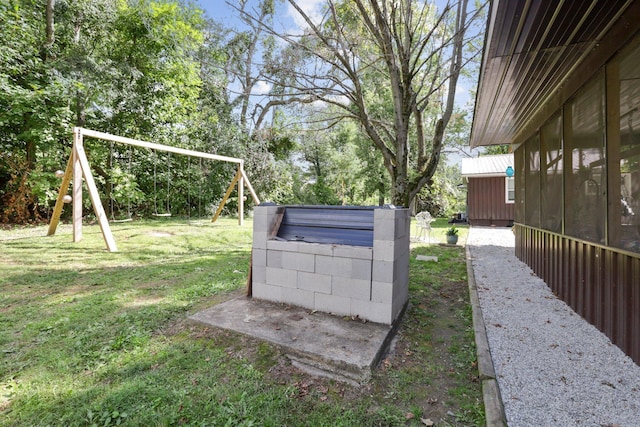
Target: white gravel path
(553, 368)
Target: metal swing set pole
(78, 168)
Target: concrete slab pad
(320, 343)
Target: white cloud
(312, 8)
(261, 88)
(321, 105)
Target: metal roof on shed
(486, 166)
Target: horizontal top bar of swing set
(124, 140)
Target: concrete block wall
(369, 282)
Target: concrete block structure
(369, 280)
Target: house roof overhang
(537, 54)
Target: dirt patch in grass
(433, 365)
(160, 234)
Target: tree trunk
(45, 50)
(49, 27)
(80, 110)
(31, 154)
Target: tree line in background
(358, 108)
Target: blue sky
(286, 18)
(222, 12)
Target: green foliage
(134, 69)
(281, 146)
(33, 112)
(443, 196)
(340, 163)
(497, 149)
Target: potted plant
(452, 236)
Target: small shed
(490, 192)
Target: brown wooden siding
(486, 202)
(600, 283)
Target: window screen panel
(625, 153)
(551, 174)
(532, 181)
(585, 173)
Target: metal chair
(423, 221)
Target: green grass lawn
(439, 229)
(89, 337)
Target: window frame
(507, 180)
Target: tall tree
(248, 50)
(250, 53)
(33, 110)
(393, 67)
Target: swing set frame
(78, 168)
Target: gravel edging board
(493, 407)
(552, 367)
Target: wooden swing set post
(78, 167)
(241, 180)
(76, 193)
(64, 186)
(254, 196)
(234, 181)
